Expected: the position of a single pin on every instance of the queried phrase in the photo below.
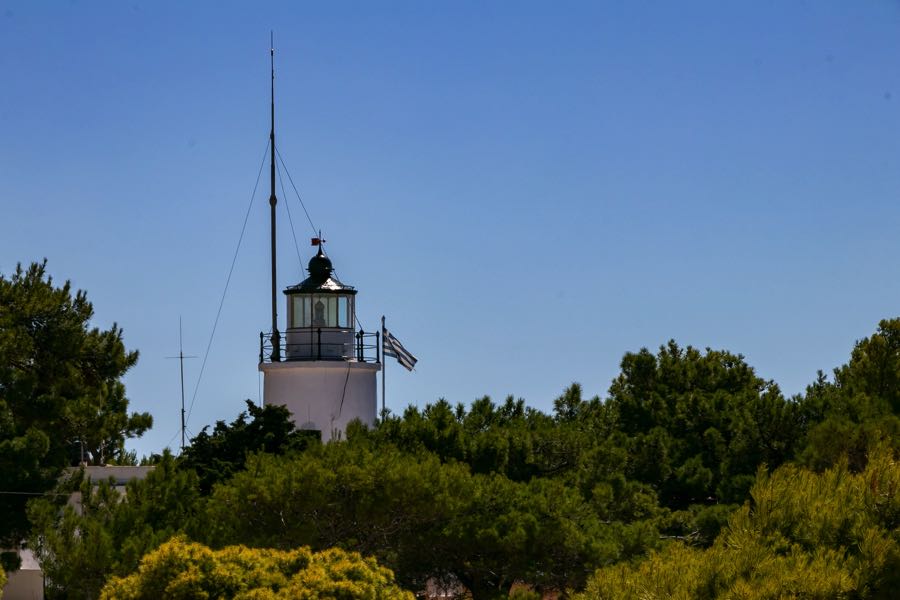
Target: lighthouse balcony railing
(322, 343)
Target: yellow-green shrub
(803, 534)
(180, 570)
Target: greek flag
(393, 347)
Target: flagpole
(383, 367)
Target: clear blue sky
(526, 190)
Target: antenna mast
(181, 358)
(276, 337)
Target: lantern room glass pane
(320, 311)
(332, 312)
(343, 312)
(300, 311)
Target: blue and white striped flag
(393, 347)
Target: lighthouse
(323, 369)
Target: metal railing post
(319, 345)
(261, 355)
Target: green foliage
(694, 427)
(10, 561)
(216, 456)
(580, 446)
(79, 550)
(61, 396)
(489, 438)
(520, 593)
(699, 424)
(182, 570)
(2, 581)
(874, 370)
(421, 517)
(491, 496)
(829, 535)
(675, 447)
(861, 408)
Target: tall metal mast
(181, 370)
(276, 337)
(181, 358)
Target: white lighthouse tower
(323, 370)
(327, 373)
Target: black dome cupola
(321, 278)
(320, 267)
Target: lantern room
(321, 315)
